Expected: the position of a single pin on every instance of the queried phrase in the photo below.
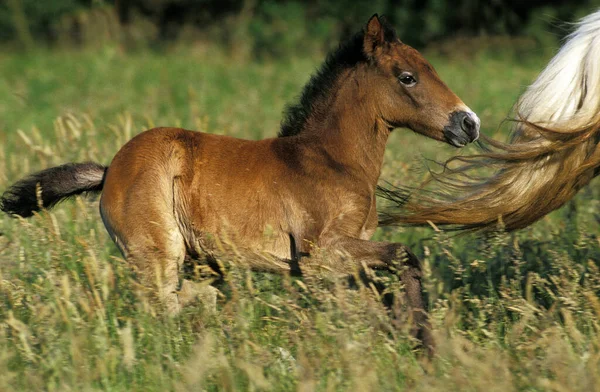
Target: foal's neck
(347, 127)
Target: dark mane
(346, 56)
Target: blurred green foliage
(274, 27)
(19, 18)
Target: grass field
(510, 312)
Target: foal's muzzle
(462, 129)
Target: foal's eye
(407, 79)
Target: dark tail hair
(48, 187)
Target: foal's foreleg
(394, 257)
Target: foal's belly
(249, 224)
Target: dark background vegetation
(272, 26)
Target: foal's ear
(374, 36)
(377, 32)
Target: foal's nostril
(467, 123)
(470, 126)
(462, 128)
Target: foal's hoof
(202, 292)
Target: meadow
(511, 312)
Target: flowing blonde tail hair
(553, 152)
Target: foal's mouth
(462, 129)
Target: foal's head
(409, 93)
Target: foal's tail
(46, 188)
(554, 151)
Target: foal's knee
(403, 259)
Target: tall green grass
(510, 312)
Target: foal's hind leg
(145, 229)
(156, 252)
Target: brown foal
(169, 192)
